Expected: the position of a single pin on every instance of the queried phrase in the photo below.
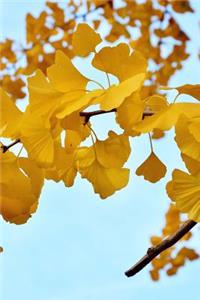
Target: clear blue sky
(77, 247)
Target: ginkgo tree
(57, 122)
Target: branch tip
(152, 252)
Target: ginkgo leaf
(192, 165)
(114, 151)
(19, 190)
(70, 173)
(35, 173)
(194, 128)
(101, 165)
(157, 134)
(155, 103)
(44, 99)
(84, 40)
(72, 140)
(61, 164)
(130, 112)
(152, 169)
(75, 122)
(166, 118)
(162, 120)
(69, 176)
(78, 103)
(185, 140)
(105, 181)
(118, 61)
(10, 116)
(184, 189)
(115, 95)
(190, 89)
(63, 76)
(37, 139)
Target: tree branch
(87, 116)
(156, 250)
(90, 114)
(6, 148)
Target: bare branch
(6, 148)
(156, 250)
(90, 114)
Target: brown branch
(90, 114)
(87, 116)
(156, 250)
(6, 148)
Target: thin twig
(156, 250)
(87, 116)
(90, 114)
(7, 147)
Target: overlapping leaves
(56, 98)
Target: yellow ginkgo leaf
(64, 77)
(69, 176)
(192, 165)
(194, 128)
(10, 116)
(114, 151)
(116, 95)
(35, 174)
(72, 140)
(44, 99)
(118, 61)
(102, 167)
(155, 103)
(190, 89)
(152, 169)
(184, 189)
(105, 181)
(75, 122)
(78, 103)
(157, 134)
(166, 118)
(130, 112)
(84, 40)
(61, 164)
(37, 139)
(186, 140)
(19, 191)
(70, 173)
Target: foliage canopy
(144, 47)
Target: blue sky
(77, 247)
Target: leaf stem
(176, 98)
(109, 83)
(98, 83)
(150, 140)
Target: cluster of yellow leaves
(52, 30)
(184, 188)
(58, 93)
(172, 259)
(55, 103)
